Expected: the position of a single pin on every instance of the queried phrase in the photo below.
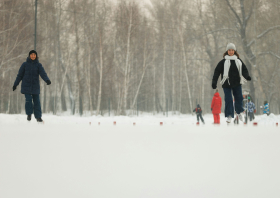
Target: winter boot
(39, 120)
(229, 119)
(240, 117)
(28, 117)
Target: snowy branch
(263, 34)
(250, 14)
(271, 53)
(268, 30)
(236, 15)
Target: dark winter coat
(198, 110)
(29, 74)
(216, 104)
(234, 78)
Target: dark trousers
(34, 106)
(198, 115)
(251, 116)
(237, 93)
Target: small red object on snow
(134, 123)
(98, 123)
(115, 123)
(161, 123)
(89, 123)
(255, 123)
(197, 123)
(276, 123)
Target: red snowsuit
(216, 106)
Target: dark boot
(39, 120)
(28, 117)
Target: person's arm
(20, 75)
(43, 74)
(194, 110)
(245, 72)
(217, 73)
(212, 103)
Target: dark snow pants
(251, 116)
(198, 115)
(237, 93)
(34, 106)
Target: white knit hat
(231, 46)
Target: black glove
(214, 86)
(211, 109)
(248, 78)
(14, 88)
(48, 82)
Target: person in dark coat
(29, 75)
(233, 73)
(216, 106)
(198, 112)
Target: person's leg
(251, 116)
(28, 104)
(197, 116)
(37, 106)
(201, 118)
(228, 103)
(237, 93)
(214, 116)
(218, 118)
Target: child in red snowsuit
(216, 106)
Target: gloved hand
(214, 86)
(48, 82)
(248, 78)
(14, 88)
(211, 109)
(255, 111)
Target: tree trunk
(163, 98)
(126, 75)
(143, 73)
(80, 95)
(173, 77)
(100, 71)
(186, 71)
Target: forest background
(124, 57)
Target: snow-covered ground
(68, 157)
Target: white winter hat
(231, 46)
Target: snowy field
(68, 158)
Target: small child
(251, 109)
(216, 106)
(266, 108)
(198, 111)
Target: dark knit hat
(33, 51)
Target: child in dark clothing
(198, 111)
